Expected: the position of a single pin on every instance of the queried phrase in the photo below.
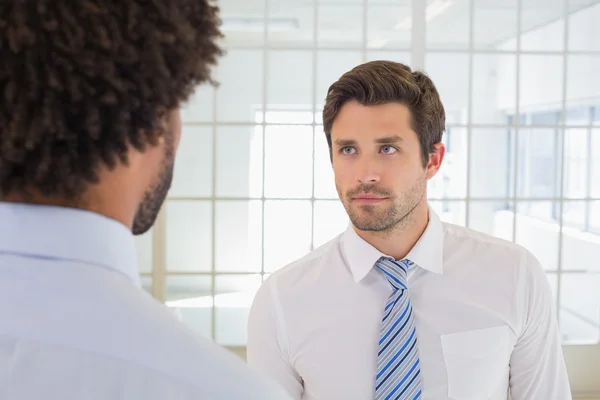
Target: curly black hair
(82, 80)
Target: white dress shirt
(76, 325)
(484, 312)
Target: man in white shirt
(401, 305)
(89, 126)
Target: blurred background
(254, 189)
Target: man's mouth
(368, 199)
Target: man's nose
(368, 173)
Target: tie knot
(396, 272)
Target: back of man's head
(85, 83)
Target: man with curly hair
(89, 127)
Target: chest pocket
(477, 363)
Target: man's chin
(368, 225)
(370, 228)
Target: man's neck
(35, 198)
(399, 242)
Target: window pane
(238, 236)
(386, 25)
(239, 161)
(580, 308)
(194, 164)
(494, 218)
(595, 164)
(583, 80)
(453, 212)
(234, 296)
(341, 24)
(451, 179)
(492, 163)
(324, 177)
(331, 219)
(240, 95)
(447, 24)
(495, 25)
(594, 224)
(578, 115)
(544, 117)
(291, 24)
(450, 74)
(189, 236)
(287, 232)
(523, 120)
(286, 93)
(145, 248)
(542, 26)
(574, 217)
(331, 65)
(293, 114)
(243, 22)
(493, 88)
(575, 164)
(288, 161)
(396, 56)
(583, 25)
(541, 80)
(200, 106)
(191, 300)
(580, 237)
(538, 163)
(596, 115)
(537, 230)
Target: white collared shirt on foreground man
(484, 311)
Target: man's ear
(435, 160)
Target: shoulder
(303, 270)
(492, 256)
(189, 357)
(294, 281)
(479, 244)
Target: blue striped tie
(398, 371)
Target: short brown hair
(84, 79)
(382, 82)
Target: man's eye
(388, 149)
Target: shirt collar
(68, 234)
(427, 253)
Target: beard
(157, 193)
(392, 215)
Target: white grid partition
(513, 158)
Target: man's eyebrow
(389, 139)
(345, 142)
(383, 140)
